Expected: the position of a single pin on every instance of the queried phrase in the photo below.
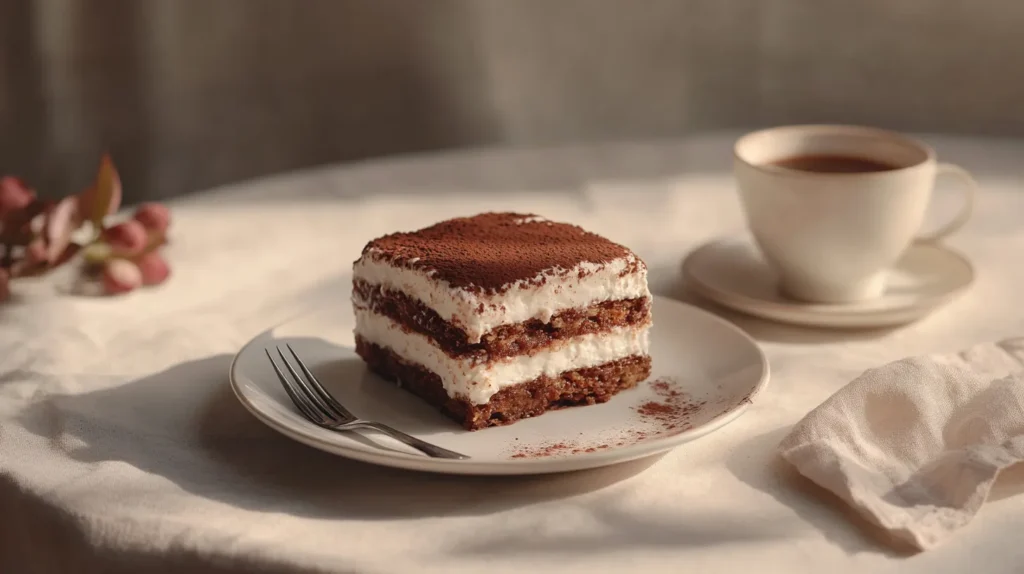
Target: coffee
(822, 163)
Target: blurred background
(190, 94)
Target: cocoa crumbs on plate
(671, 413)
(558, 448)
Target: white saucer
(732, 273)
(711, 361)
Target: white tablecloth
(122, 448)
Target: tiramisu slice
(503, 316)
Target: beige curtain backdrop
(189, 94)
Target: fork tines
(319, 407)
(306, 391)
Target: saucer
(732, 272)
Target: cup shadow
(757, 464)
(184, 424)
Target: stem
(7, 261)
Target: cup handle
(970, 190)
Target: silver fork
(317, 405)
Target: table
(122, 448)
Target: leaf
(104, 197)
(61, 221)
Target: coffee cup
(833, 207)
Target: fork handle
(422, 446)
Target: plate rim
(524, 466)
(822, 315)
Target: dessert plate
(705, 374)
(732, 273)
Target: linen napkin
(915, 446)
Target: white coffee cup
(832, 237)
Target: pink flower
(61, 221)
(126, 238)
(154, 268)
(120, 276)
(153, 216)
(14, 195)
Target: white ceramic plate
(712, 368)
(731, 272)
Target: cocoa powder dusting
(491, 252)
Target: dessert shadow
(184, 425)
